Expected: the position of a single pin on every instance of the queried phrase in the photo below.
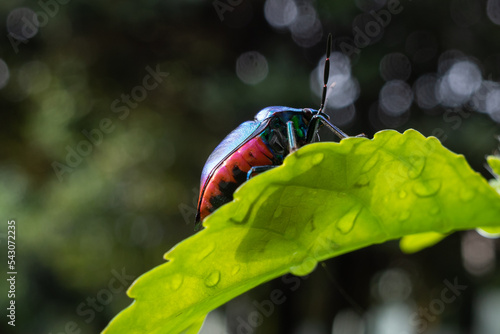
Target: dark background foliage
(91, 210)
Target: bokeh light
(493, 11)
(343, 93)
(392, 285)
(342, 116)
(480, 96)
(380, 119)
(340, 68)
(391, 318)
(395, 97)
(348, 322)
(446, 96)
(486, 306)
(425, 91)
(464, 78)
(22, 23)
(280, 13)
(478, 253)
(215, 322)
(251, 67)
(306, 28)
(343, 89)
(459, 81)
(300, 17)
(448, 58)
(493, 102)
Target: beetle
(259, 145)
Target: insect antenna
(326, 74)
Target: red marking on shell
(253, 153)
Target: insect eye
(308, 112)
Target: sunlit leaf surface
(494, 162)
(327, 199)
(415, 242)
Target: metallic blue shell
(238, 138)
(270, 111)
(231, 143)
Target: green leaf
(494, 162)
(495, 184)
(491, 232)
(416, 242)
(327, 199)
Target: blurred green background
(110, 109)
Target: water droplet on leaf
(347, 222)
(206, 251)
(176, 281)
(370, 163)
(435, 210)
(317, 159)
(363, 180)
(404, 215)
(427, 188)
(235, 270)
(417, 166)
(212, 279)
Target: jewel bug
(259, 145)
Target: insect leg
(292, 141)
(312, 131)
(258, 170)
(314, 126)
